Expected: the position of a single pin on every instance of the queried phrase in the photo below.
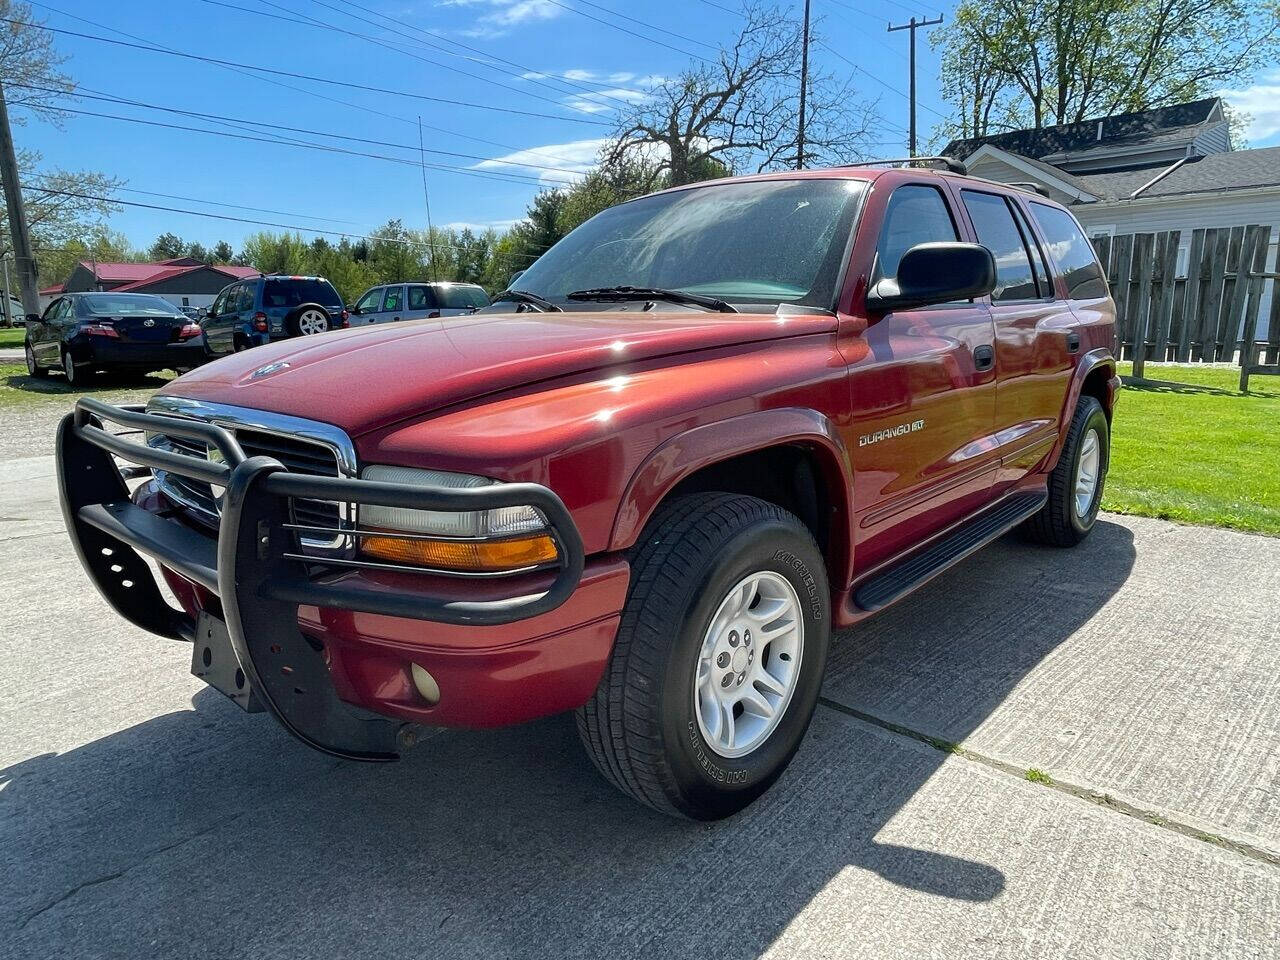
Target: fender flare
(1091, 361)
(685, 453)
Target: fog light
(428, 689)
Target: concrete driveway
(142, 815)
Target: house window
(186, 301)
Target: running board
(903, 576)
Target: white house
(1169, 168)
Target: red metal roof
(131, 273)
(164, 273)
(56, 289)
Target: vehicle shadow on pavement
(210, 833)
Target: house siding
(1217, 139)
(1188, 213)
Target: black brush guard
(255, 568)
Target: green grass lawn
(19, 392)
(12, 336)
(1188, 446)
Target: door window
(51, 311)
(244, 298)
(420, 298)
(1073, 254)
(998, 232)
(369, 302)
(916, 214)
(230, 297)
(391, 301)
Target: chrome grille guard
(253, 569)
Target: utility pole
(913, 26)
(22, 258)
(804, 84)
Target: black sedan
(82, 333)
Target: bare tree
(740, 111)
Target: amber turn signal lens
(476, 555)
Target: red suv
(711, 425)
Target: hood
(370, 377)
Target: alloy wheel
(749, 664)
(311, 322)
(1088, 470)
(68, 367)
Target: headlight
(488, 541)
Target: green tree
(1035, 63)
(30, 66)
(222, 252)
(167, 246)
(98, 243)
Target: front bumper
(255, 577)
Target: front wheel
(719, 657)
(33, 368)
(1075, 485)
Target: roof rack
(951, 163)
(1027, 185)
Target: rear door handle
(984, 357)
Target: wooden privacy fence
(1209, 314)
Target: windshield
(134, 305)
(769, 242)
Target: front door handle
(984, 357)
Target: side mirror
(202, 313)
(353, 309)
(935, 273)
(32, 318)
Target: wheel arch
(792, 457)
(1095, 376)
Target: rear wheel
(719, 657)
(33, 368)
(309, 321)
(74, 377)
(1075, 485)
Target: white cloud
(571, 160)
(505, 14)
(1262, 102)
(601, 100)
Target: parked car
(85, 333)
(193, 313)
(712, 425)
(252, 312)
(410, 301)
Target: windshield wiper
(653, 293)
(532, 299)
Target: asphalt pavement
(1137, 677)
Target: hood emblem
(269, 369)
(148, 322)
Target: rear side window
(420, 298)
(916, 214)
(288, 292)
(462, 298)
(244, 298)
(1071, 251)
(999, 233)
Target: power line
(273, 126)
(485, 60)
(830, 49)
(326, 148)
(651, 26)
(309, 21)
(288, 86)
(260, 223)
(302, 76)
(616, 26)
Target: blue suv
(252, 312)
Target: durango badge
(898, 431)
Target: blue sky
(567, 59)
